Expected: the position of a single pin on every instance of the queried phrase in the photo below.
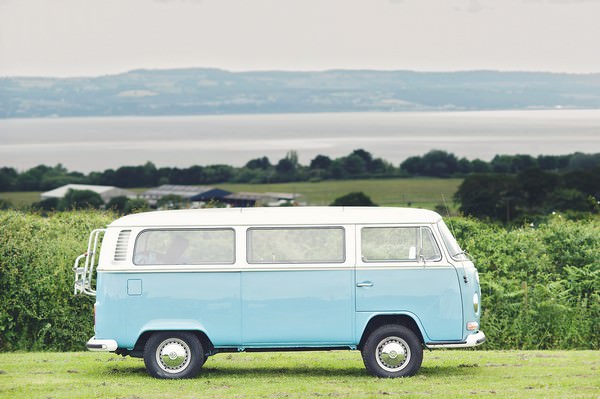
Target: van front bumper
(472, 340)
(101, 345)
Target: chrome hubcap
(173, 355)
(393, 354)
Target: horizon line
(242, 71)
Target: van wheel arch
(382, 320)
(138, 350)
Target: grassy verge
(444, 374)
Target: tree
(337, 169)
(488, 196)
(354, 165)
(81, 199)
(501, 164)
(513, 163)
(287, 168)
(534, 185)
(353, 199)
(464, 166)
(366, 157)
(479, 166)
(30, 179)
(217, 174)
(439, 164)
(320, 162)
(581, 161)
(586, 181)
(380, 166)
(8, 178)
(435, 163)
(412, 166)
(521, 163)
(568, 199)
(48, 204)
(259, 163)
(117, 204)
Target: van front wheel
(173, 355)
(392, 351)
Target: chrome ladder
(85, 273)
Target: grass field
(444, 374)
(419, 192)
(424, 193)
(21, 198)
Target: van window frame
(403, 262)
(178, 229)
(318, 262)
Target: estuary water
(98, 143)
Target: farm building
(203, 194)
(244, 199)
(190, 193)
(105, 192)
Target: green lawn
(417, 192)
(444, 374)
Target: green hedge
(541, 286)
(37, 308)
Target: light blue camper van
(175, 287)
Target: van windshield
(450, 242)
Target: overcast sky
(96, 37)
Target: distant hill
(213, 91)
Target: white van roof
(308, 215)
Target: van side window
(185, 247)
(429, 249)
(388, 244)
(296, 245)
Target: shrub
(37, 308)
(353, 199)
(540, 286)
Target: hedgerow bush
(37, 308)
(540, 285)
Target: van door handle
(365, 284)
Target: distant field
(21, 198)
(420, 192)
(444, 374)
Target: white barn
(105, 192)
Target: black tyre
(173, 355)
(392, 351)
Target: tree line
(509, 188)
(529, 194)
(358, 164)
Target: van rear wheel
(173, 355)
(392, 351)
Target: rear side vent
(122, 242)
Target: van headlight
(476, 303)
